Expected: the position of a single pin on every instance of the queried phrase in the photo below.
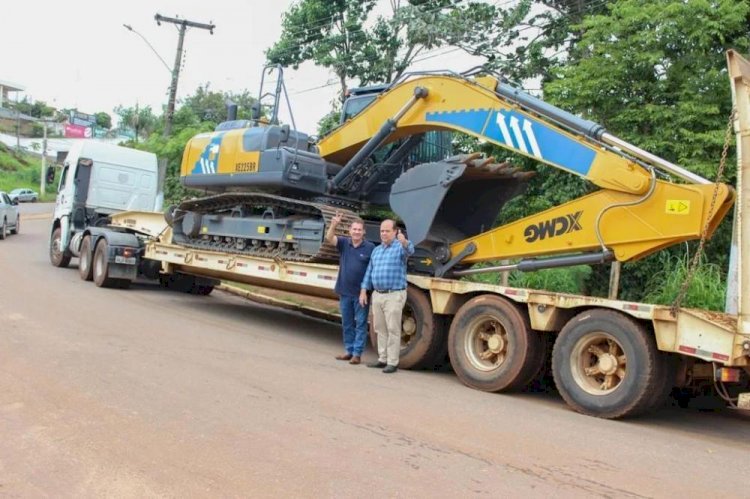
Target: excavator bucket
(451, 200)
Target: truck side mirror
(284, 132)
(50, 174)
(255, 111)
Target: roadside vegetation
(22, 170)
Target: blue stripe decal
(522, 134)
(208, 161)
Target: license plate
(128, 260)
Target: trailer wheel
(492, 346)
(421, 333)
(101, 267)
(57, 256)
(85, 269)
(606, 365)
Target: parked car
(10, 220)
(24, 195)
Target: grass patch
(561, 280)
(707, 289)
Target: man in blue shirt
(386, 275)
(354, 256)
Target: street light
(130, 28)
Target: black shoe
(390, 369)
(377, 364)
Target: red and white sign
(77, 131)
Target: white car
(10, 220)
(24, 195)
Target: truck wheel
(201, 290)
(57, 256)
(4, 230)
(421, 334)
(606, 365)
(85, 269)
(101, 266)
(666, 374)
(17, 228)
(492, 346)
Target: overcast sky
(77, 54)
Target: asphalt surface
(144, 392)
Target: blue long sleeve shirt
(387, 267)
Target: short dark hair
(393, 223)
(358, 221)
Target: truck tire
(492, 346)
(666, 375)
(17, 228)
(422, 335)
(85, 269)
(4, 230)
(606, 365)
(201, 290)
(57, 256)
(101, 267)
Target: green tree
(654, 74)
(141, 119)
(37, 109)
(346, 37)
(103, 120)
(206, 105)
(327, 32)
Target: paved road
(150, 393)
(35, 210)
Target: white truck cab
(98, 180)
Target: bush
(707, 288)
(562, 280)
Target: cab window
(63, 178)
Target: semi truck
(609, 358)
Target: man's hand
(363, 297)
(402, 239)
(337, 219)
(330, 233)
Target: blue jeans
(354, 322)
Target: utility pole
(43, 176)
(18, 126)
(183, 24)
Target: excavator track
(278, 249)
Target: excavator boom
(631, 216)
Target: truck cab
(98, 180)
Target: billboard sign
(82, 119)
(77, 132)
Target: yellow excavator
(274, 189)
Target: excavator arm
(632, 215)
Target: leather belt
(384, 291)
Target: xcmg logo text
(553, 227)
